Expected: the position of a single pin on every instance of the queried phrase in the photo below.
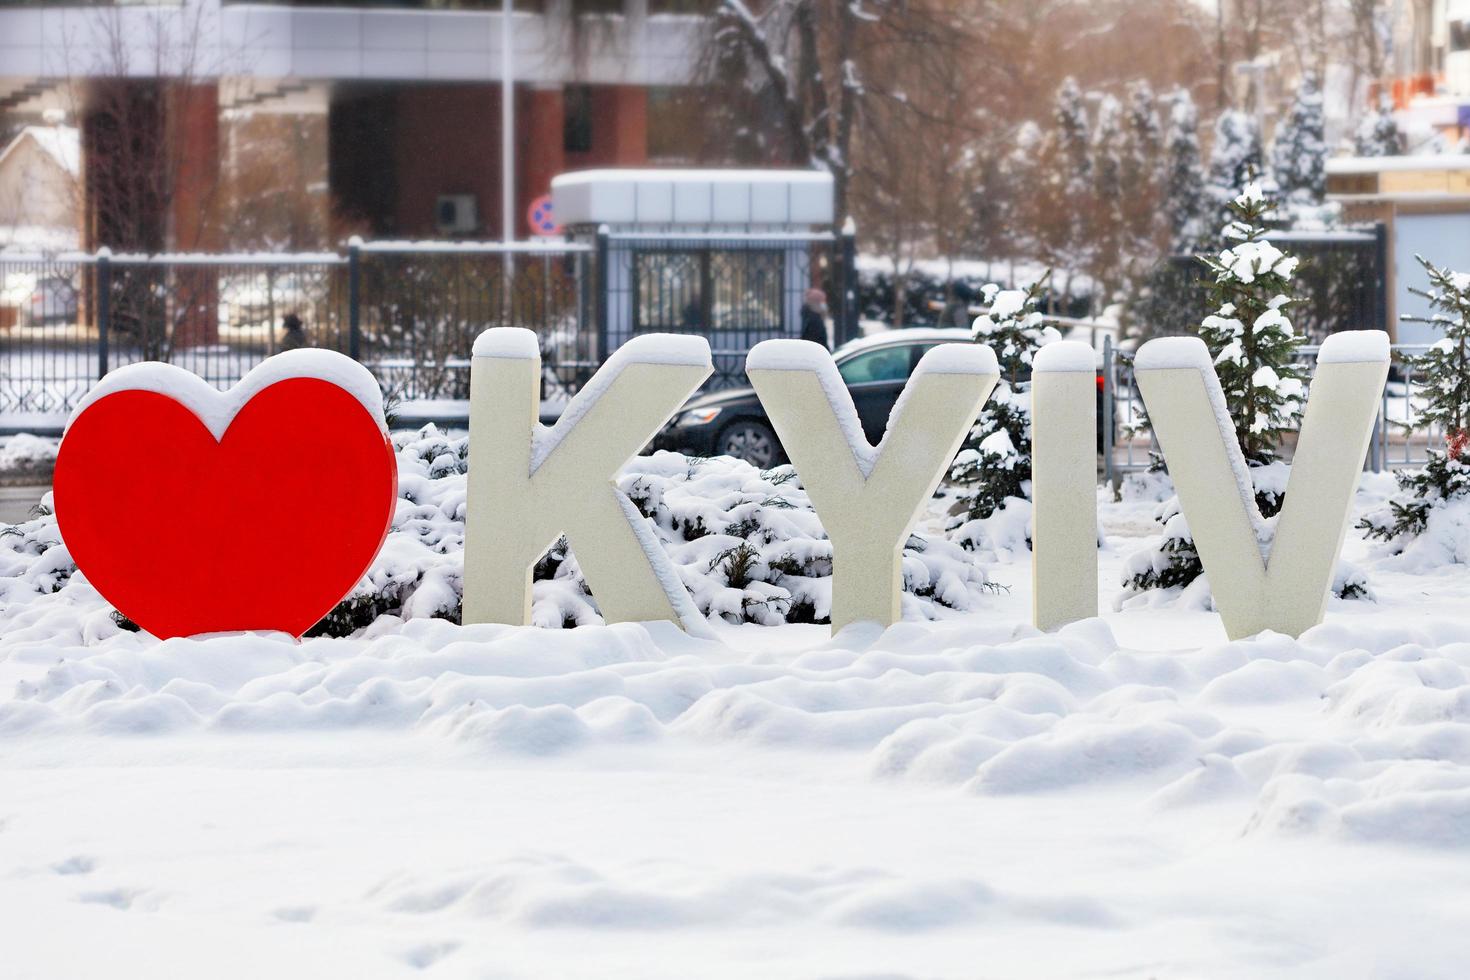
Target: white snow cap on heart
(217, 409)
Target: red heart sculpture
(265, 528)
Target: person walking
(293, 335)
(814, 318)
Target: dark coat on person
(813, 326)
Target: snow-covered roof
(767, 198)
(62, 144)
(1374, 165)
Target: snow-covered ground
(1131, 797)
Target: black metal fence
(1401, 435)
(1340, 284)
(415, 314)
(737, 290)
(409, 312)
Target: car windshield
(883, 364)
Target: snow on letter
(1288, 593)
(869, 498)
(1063, 482)
(528, 484)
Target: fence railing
(408, 311)
(735, 289)
(1400, 437)
(1340, 284)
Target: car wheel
(751, 441)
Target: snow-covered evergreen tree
(1064, 196)
(1234, 154)
(1252, 344)
(1145, 134)
(1108, 149)
(1142, 159)
(994, 464)
(1073, 135)
(1299, 156)
(1107, 227)
(1444, 371)
(1378, 134)
(1184, 179)
(1249, 335)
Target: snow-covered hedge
(747, 544)
(26, 456)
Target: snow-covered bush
(993, 467)
(1235, 158)
(1142, 172)
(1252, 343)
(33, 561)
(1378, 133)
(1299, 155)
(747, 544)
(1435, 500)
(1249, 335)
(26, 457)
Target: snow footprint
(77, 864)
(424, 956)
(122, 899)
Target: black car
(875, 369)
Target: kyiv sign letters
(307, 426)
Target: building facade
(1430, 66)
(388, 114)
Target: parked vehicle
(875, 369)
(52, 301)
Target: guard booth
(1424, 202)
(726, 254)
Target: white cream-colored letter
(1063, 484)
(529, 484)
(1287, 592)
(869, 498)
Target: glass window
(681, 6)
(883, 364)
(670, 294)
(577, 119)
(584, 8)
(745, 290)
(704, 290)
(676, 124)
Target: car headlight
(698, 416)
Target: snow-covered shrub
(1435, 500)
(931, 286)
(1235, 157)
(1378, 133)
(747, 544)
(750, 548)
(1252, 343)
(1142, 173)
(1299, 155)
(1184, 177)
(24, 455)
(993, 467)
(33, 561)
(1249, 335)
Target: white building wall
(204, 39)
